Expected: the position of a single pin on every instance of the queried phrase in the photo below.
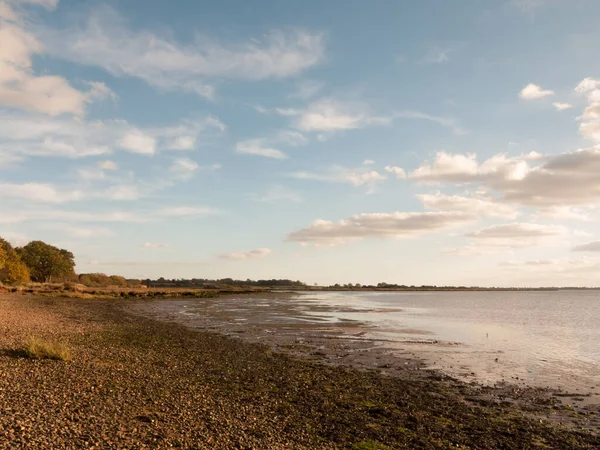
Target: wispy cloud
(380, 225)
(258, 253)
(108, 165)
(257, 147)
(267, 146)
(437, 55)
(306, 89)
(588, 247)
(359, 176)
(153, 245)
(106, 40)
(277, 193)
(24, 136)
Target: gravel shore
(138, 383)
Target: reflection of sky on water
(544, 338)
(553, 335)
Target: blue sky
(411, 142)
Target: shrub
(38, 349)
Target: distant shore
(74, 290)
(135, 382)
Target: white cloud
(16, 239)
(476, 205)
(39, 192)
(306, 89)
(186, 211)
(587, 85)
(182, 143)
(464, 168)
(398, 171)
(590, 119)
(446, 122)
(278, 193)
(184, 135)
(153, 245)
(508, 237)
(563, 271)
(100, 91)
(183, 168)
(37, 214)
(137, 141)
(330, 115)
(20, 86)
(589, 247)
(360, 176)
(378, 225)
(252, 254)
(91, 174)
(534, 92)
(515, 231)
(48, 4)
(290, 137)
(84, 232)
(267, 146)
(368, 162)
(34, 135)
(257, 147)
(567, 212)
(108, 165)
(107, 41)
(437, 55)
(562, 106)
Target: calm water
(545, 338)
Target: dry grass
(39, 349)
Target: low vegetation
(36, 348)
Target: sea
(535, 338)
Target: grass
(39, 349)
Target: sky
(446, 143)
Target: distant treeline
(212, 284)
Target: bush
(38, 349)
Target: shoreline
(288, 323)
(135, 381)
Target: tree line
(36, 261)
(44, 263)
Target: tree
(46, 262)
(12, 269)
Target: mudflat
(133, 382)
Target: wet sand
(291, 324)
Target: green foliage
(117, 280)
(47, 263)
(102, 280)
(12, 269)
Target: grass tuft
(38, 349)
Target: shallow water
(549, 338)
